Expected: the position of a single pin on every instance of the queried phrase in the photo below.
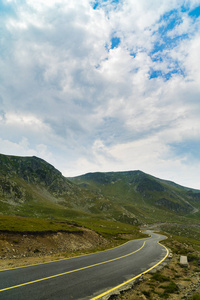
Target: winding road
(86, 277)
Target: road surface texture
(85, 277)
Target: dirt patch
(20, 249)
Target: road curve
(85, 277)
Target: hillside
(150, 199)
(31, 187)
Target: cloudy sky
(102, 85)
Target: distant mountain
(29, 186)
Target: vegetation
(30, 187)
(108, 229)
(170, 288)
(112, 229)
(113, 204)
(159, 277)
(147, 198)
(185, 234)
(196, 297)
(20, 224)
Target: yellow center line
(132, 279)
(57, 260)
(68, 272)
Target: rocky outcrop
(32, 170)
(11, 191)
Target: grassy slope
(108, 229)
(185, 234)
(21, 224)
(148, 198)
(30, 187)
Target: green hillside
(30, 187)
(148, 198)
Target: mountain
(29, 186)
(148, 198)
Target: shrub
(171, 288)
(36, 250)
(146, 293)
(159, 277)
(192, 257)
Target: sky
(96, 85)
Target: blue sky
(102, 85)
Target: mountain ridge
(29, 186)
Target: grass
(35, 189)
(113, 231)
(139, 193)
(185, 235)
(170, 288)
(196, 297)
(22, 224)
(146, 293)
(159, 277)
(183, 230)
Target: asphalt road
(84, 277)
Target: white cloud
(21, 148)
(69, 98)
